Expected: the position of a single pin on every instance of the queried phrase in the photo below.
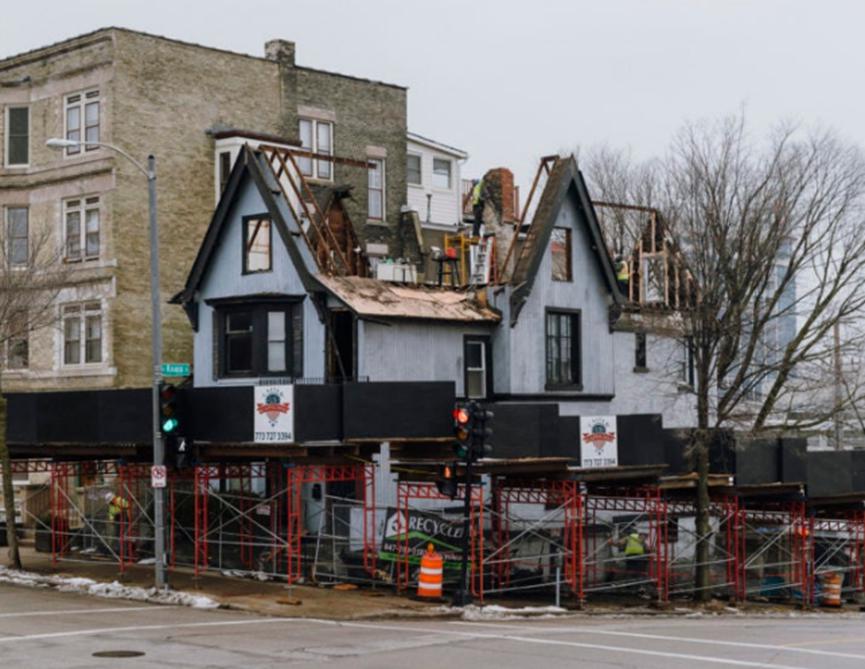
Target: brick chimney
(280, 50)
(499, 183)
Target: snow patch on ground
(495, 612)
(113, 590)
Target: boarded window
(560, 251)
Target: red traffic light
(461, 415)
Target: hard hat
(430, 548)
(108, 496)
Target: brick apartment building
(186, 104)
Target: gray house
(546, 339)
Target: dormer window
(257, 247)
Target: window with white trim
(17, 136)
(17, 341)
(82, 333)
(81, 228)
(413, 173)
(375, 196)
(686, 362)
(17, 236)
(316, 137)
(441, 173)
(81, 119)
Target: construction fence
(539, 539)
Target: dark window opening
(686, 362)
(224, 170)
(563, 349)
(18, 136)
(259, 340)
(342, 346)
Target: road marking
(590, 646)
(662, 637)
(145, 628)
(68, 612)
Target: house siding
(224, 278)
(587, 293)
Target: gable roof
(248, 166)
(564, 179)
(372, 298)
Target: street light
(155, 338)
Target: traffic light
(169, 417)
(463, 424)
(447, 480)
(481, 432)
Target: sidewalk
(267, 598)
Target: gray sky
(511, 80)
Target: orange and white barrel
(832, 589)
(429, 584)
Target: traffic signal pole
(462, 597)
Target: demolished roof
(564, 179)
(372, 298)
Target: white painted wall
(445, 206)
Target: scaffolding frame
(566, 501)
(407, 491)
(649, 506)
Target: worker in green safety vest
(634, 547)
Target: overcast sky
(511, 80)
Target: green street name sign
(176, 369)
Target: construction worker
(623, 274)
(118, 510)
(634, 546)
(478, 206)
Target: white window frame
(482, 370)
(85, 98)
(419, 156)
(450, 185)
(11, 340)
(6, 143)
(382, 189)
(86, 203)
(7, 250)
(81, 311)
(315, 171)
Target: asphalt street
(44, 628)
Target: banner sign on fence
(423, 528)
(599, 441)
(274, 414)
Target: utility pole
(839, 381)
(148, 171)
(156, 353)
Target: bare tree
(772, 233)
(31, 276)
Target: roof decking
(371, 298)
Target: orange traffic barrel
(429, 582)
(832, 589)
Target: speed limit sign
(158, 476)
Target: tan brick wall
(161, 96)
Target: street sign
(158, 476)
(176, 369)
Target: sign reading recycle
(423, 528)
